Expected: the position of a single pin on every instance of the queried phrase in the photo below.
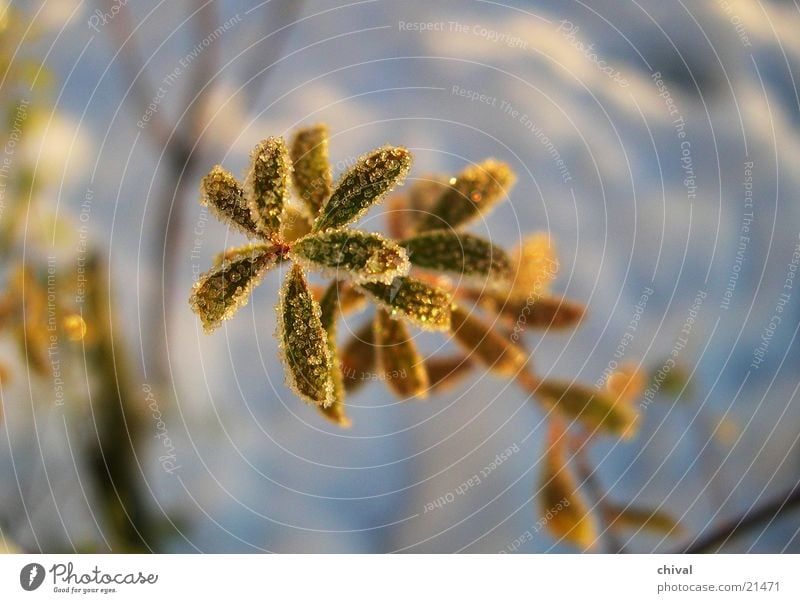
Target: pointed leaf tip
(363, 185)
(223, 195)
(360, 256)
(221, 291)
(267, 185)
(444, 372)
(303, 341)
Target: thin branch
(588, 476)
(717, 538)
(135, 71)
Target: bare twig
(766, 514)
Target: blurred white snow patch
(58, 148)
(59, 14)
(224, 113)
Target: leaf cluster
(429, 274)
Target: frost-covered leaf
(426, 306)
(358, 358)
(294, 224)
(267, 185)
(221, 291)
(481, 342)
(634, 518)
(312, 171)
(563, 508)
(224, 196)
(459, 253)
(360, 256)
(445, 372)
(535, 265)
(303, 341)
(401, 364)
(329, 308)
(474, 192)
(363, 185)
(595, 409)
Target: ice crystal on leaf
(226, 287)
(363, 257)
(428, 274)
(303, 341)
(363, 185)
(267, 185)
(459, 253)
(312, 171)
(426, 306)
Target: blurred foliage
(55, 305)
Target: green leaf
(329, 312)
(363, 185)
(486, 345)
(595, 409)
(358, 358)
(633, 518)
(267, 185)
(303, 341)
(221, 291)
(312, 172)
(459, 253)
(426, 306)
(564, 510)
(223, 195)
(446, 371)
(360, 256)
(401, 364)
(472, 194)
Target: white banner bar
(400, 578)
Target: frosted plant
(431, 274)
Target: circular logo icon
(31, 576)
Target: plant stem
(588, 476)
(718, 537)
